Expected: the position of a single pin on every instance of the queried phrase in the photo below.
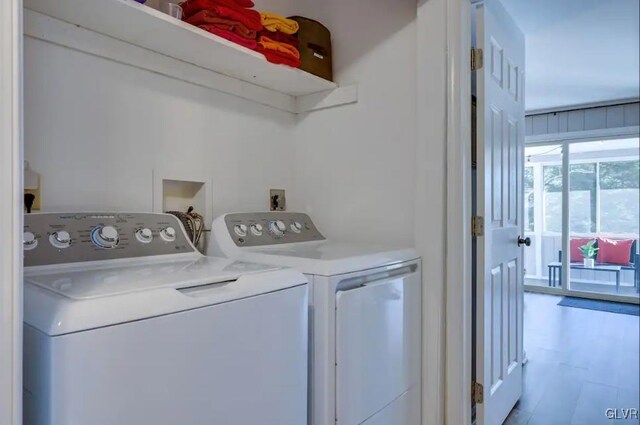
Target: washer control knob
(105, 237)
(29, 241)
(144, 235)
(168, 234)
(296, 227)
(60, 239)
(256, 229)
(240, 230)
(277, 227)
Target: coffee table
(555, 272)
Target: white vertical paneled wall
(354, 166)
(95, 130)
(588, 119)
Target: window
(602, 191)
(552, 187)
(603, 197)
(620, 195)
(529, 200)
(582, 197)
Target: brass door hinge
(477, 226)
(477, 59)
(477, 392)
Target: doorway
(602, 209)
(580, 213)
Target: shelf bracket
(344, 95)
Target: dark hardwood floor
(580, 363)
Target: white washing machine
(126, 323)
(365, 315)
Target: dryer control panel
(58, 238)
(271, 228)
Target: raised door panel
(496, 170)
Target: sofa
(633, 256)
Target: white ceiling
(579, 51)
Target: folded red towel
(249, 17)
(243, 3)
(231, 36)
(281, 37)
(205, 17)
(188, 5)
(278, 56)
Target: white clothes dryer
(126, 323)
(365, 315)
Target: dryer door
(377, 342)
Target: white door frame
(459, 238)
(11, 212)
(458, 296)
(459, 194)
(443, 207)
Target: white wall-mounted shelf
(115, 29)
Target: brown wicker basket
(315, 47)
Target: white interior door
(500, 145)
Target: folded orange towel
(281, 37)
(285, 49)
(274, 22)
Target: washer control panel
(271, 228)
(50, 238)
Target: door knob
(526, 241)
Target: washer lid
(110, 279)
(81, 298)
(328, 258)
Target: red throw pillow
(574, 248)
(614, 252)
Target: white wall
(375, 171)
(95, 130)
(354, 166)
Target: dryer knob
(277, 227)
(144, 235)
(29, 241)
(296, 227)
(256, 229)
(168, 234)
